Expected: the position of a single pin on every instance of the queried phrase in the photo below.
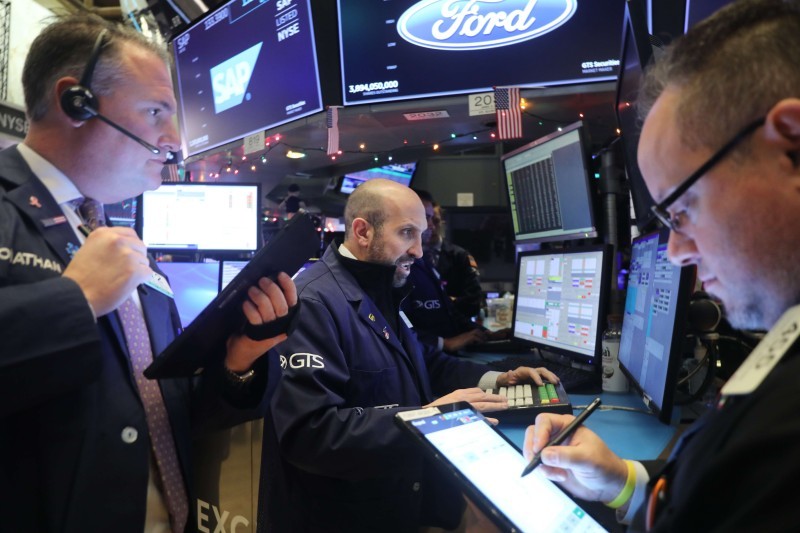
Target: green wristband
(627, 491)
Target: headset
(79, 102)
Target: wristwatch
(239, 378)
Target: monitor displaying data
(202, 217)
(548, 188)
(560, 302)
(194, 286)
(410, 48)
(400, 172)
(654, 323)
(245, 67)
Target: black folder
(204, 339)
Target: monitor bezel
(258, 220)
(583, 141)
(687, 280)
(189, 154)
(634, 34)
(602, 306)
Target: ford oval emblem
(480, 24)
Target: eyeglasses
(660, 210)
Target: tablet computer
(489, 467)
(205, 337)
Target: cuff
(489, 380)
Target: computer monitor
(402, 173)
(637, 52)
(474, 46)
(560, 302)
(654, 322)
(202, 217)
(194, 285)
(548, 188)
(243, 68)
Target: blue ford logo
(479, 24)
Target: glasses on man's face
(660, 210)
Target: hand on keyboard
(481, 400)
(526, 374)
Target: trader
(726, 113)
(351, 363)
(87, 444)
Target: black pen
(561, 437)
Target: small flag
(509, 114)
(332, 121)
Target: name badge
(159, 283)
(406, 320)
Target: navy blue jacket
(346, 374)
(74, 445)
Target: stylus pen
(561, 437)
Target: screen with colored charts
(243, 68)
(653, 326)
(491, 466)
(202, 217)
(400, 172)
(560, 300)
(473, 46)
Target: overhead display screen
(247, 66)
(389, 48)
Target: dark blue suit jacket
(74, 444)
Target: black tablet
(205, 337)
(489, 467)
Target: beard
(377, 254)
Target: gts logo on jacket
(427, 304)
(230, 78)
(302, 360)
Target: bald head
(368, 201)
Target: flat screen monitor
(654, 322)
(203, 217)
(560, 302)
(637, 53)
(400, 172)
(388, 49)
(194, 285)
(547, 182)
(243, 68)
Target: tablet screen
(492, 466)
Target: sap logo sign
(221, 519)
(302, 360)
(230, 78)
(481, 24)
(427, 304)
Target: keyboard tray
(552, 398)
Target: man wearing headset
(86, 442)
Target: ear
(782, 128)
(62, 85)
(363, 232)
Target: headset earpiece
(75, 100)
(78, 99)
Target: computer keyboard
(528, 400)
(574, 380)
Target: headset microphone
(79, 103)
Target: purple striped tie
(158, 424)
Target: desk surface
(629, 434)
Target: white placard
(254, 143)
(481, 104)
(465, 199)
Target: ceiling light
(292, 154)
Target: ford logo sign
(480, 24)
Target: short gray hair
(63, 49)
(730, 69)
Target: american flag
(509, 114)
(332, 121)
